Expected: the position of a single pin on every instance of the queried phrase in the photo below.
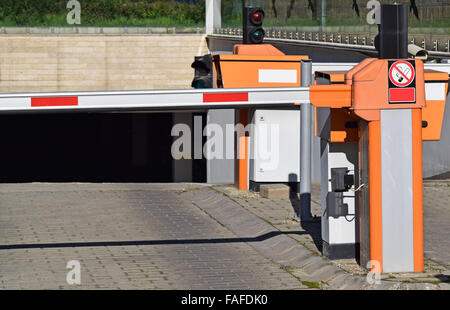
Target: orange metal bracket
(335, 77)
(331, 96)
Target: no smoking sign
(402, 81)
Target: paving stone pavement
(175, 236)
(437, 221)
(125, 236)
(346, 273)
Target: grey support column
(305, 146)
(182, 168)
(222, 170)
(213, 15)
(324, 14)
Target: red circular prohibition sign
(401, 73)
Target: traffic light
(252, 25)
(203, 77)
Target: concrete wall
(97, 62)
(68, 62)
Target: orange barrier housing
(236, 71)
(433, 112)
(244, 69)
(369, 89)
(361, 93)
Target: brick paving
(126, 236)
(185, 236)
(279, 213)
(436, 221)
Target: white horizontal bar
(152, 92)
(156, 99)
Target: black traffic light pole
(392, 40)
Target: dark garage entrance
(113, 147)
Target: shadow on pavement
(148, 242)
(312, 228)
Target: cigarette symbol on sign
(401, 73)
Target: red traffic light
(257, 16)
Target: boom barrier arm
(149, 100)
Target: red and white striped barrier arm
(152, 100)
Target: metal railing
(430, 43)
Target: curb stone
(240, 222)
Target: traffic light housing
(203, 77)
(253, 33)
